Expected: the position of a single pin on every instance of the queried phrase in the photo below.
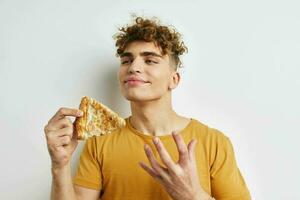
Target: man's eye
(150, 61)
(125, 61)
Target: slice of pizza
(97, 119)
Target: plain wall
(240, 76)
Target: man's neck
(156, 118)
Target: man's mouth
(135, 82)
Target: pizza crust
(97, 119)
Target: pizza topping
(98, 119)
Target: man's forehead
(141, 53)
(142, 48)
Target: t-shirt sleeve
(88, 172)
(227, 183)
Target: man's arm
(63, 188)
(61, 143)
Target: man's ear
(174, 80)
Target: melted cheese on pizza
(98, 122)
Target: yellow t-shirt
(110, 163)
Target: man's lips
(135, 79)
(135, 82)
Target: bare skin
(59, 135)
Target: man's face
(144, 73)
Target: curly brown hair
(150, 30)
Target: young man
(159, 154)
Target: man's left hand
(180, 179)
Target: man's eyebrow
(150, 53)
(124, 54)
(144, 53)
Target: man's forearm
(62, 185)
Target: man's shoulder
(208, 131)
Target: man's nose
(136, 66)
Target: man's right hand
(61, 136)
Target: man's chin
(136, 99)
(139, 99)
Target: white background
(241, 76)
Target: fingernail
(80, 113)
(146, 147)
(155, 140)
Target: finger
(154, 164)
(191, 149)
(75, 133)
(53, 135)
(67, 131)
(64, 140)
(164, 155)
(182, 148)
(59, 142)
(62, 123)
(150, 171)
(63, 112)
